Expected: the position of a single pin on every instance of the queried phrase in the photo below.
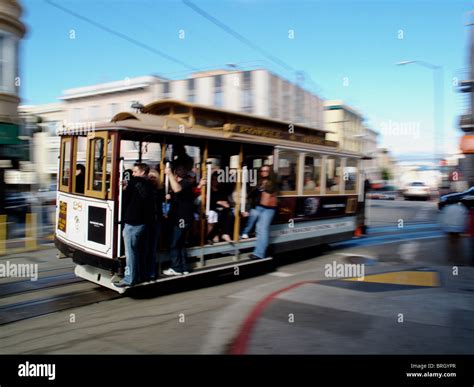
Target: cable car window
(350, 176)
(333, 175)
(99, 171)
(287, 171)
(312, 175)
(98, 164)
(80, 165)
(65, 163)
(108, 165)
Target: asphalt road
(298, 308)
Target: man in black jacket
(138, 212)
(181, 216)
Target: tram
(320, 187)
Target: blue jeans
(134, 238)
(264, 219)
(250, 221)
(178, 249)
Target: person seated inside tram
(309, 184)
(220, 217)
(334, 184)
(285, 184)
(80, 178)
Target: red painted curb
(239, 345)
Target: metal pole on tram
(119, 217)
(167, 180)
(167, 186)
(208, 186)
(238, 204)
(243, 196)
(203, 203)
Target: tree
(385, 174)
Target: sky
(347, 50)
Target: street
(412, 290)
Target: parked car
(382, 195)
(417, 190)
(453, 198)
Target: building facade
(257, 92)
(370, 151)
(346, 125)
(466, 121)
(12, 31)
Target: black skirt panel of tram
(84, 258)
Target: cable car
(320, 187)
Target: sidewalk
(412, 300)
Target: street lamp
(438, 116)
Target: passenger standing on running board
(181, 216)
(265, 195)
(138, 212)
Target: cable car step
(105, 278)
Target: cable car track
(19, 287)
(23, 310)
(38, 307)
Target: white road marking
(281, 274)
(357, 255)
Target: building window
(94, 113)
(77, 115)
(286, 102)
(113, 109)
(191, 95)
(166, 90)
(218, 91)
(2, 62)
(16, 67)
(247, 103)
(52, 127)
(274, 98)
(299, 104)
(8, 63)
(287, 171)
(312, 175)
(129, 106)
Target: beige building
(346, 124)
(257, 92)
(91, 104)
(12, 31)
(43, 121)
(370, 151)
